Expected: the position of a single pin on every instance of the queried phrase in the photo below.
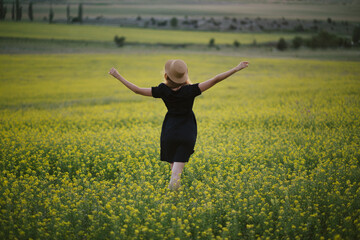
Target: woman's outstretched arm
(131, 86)
(218, 78)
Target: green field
(107, 33)
(277, 155)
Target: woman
(179, 129)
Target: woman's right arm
(218, 78)
(142, 91)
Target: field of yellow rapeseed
(277, 156)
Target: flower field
(277, 155)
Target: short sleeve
(156, 91)
(195, 90)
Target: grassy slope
(107, 33)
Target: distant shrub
(174, 22)
(194, 22)
(329, 20)
(162, 23)
(212, 42)
(327, 40)
(75, 20)
(314, 28)
(299, 28)
(285, 22)
(232, 27)
(297, 42)
(214, 22)
(281, 45)
(236, 44)
(345, 42)
(186, 22)
(153, 21)
(138, 18)
(119, 41)
(356, 35)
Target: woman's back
(177, 102)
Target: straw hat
(177, 70)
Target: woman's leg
(176, 171)
(171, 165)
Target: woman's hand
(242, 65)
(114, 72)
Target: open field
(44, 46)
(25, 37)
(278, 149)
(293, 10)
(277, 154)
(152, 36)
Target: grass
(107, 33)
(277, 154)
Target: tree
(356, 35)
(281, 45)
(80, 13)
(297, 42)
(174, 22)
(68, 20)
(51, 14)
(236, 44)
(323, 40)
(212, 42)
(299, 28)
(18, 11)
(2, 10)
(119, 41)
(30, 11)
(327, 40)
(13, 11)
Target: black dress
(179, 129)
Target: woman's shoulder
(161, 85)
(193, 89)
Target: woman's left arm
(131, 86)
(218, 78)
